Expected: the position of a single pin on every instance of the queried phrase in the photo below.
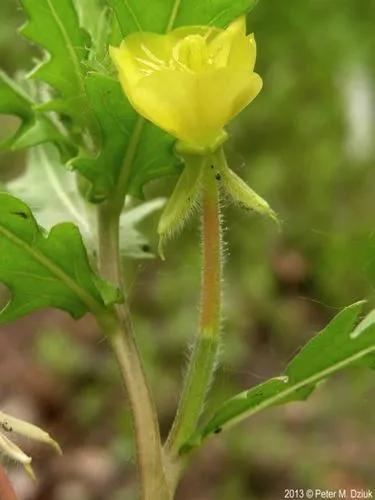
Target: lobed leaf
(118, 124)
(116, 119)
(45, 270)
(35, 128)
(162, 15)
(334, 348)
(45, 173)
(95, 18)
(54, 25)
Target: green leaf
(95, 18)
(35, 128)
(46, 174)
(162, 15)
(133, 243)
(336, 347)
(54, 25)
(43, 270)
(117, 121)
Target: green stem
(119, 330)
(121, 190)
(203, 358)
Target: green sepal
(185, 148)
(238, 190)
(182, 200)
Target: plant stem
(203, 357)
(119, 329)
(6, 489)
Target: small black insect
(212, 166)
(20, 214)
(146, 248)
(218, 177)
(218, 430)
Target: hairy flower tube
(190, 82)
(10, 425)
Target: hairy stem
(203, 357)
(119, 330)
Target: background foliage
(306, 145)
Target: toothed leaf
(95, 18)
(43, 270)
(46, 173)
(118, 127)
(34, 128)
(160, 15)
(337, 346)
(54, 26)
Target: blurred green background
(307, 145)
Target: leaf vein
(69, 45)
(48, 264)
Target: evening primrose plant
(127, 92)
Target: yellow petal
(139, 54)
(243, 53)
(251, 86)
(238, 26)
(233, 48)
(222, 94)
(166, 99)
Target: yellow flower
(190, 82)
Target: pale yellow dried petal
(15, 425)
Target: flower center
(191, 53)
